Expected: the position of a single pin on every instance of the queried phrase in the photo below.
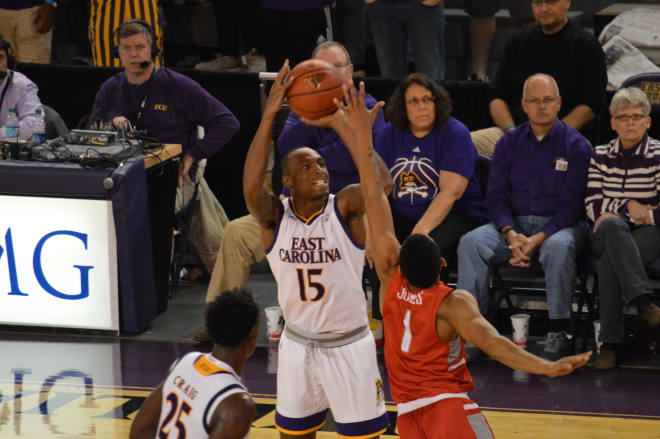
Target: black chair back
(649, 83)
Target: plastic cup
(520, 323)
(274, 323)
(597, 335)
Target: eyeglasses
(629, 117)
(339, 66)
(426, 100)
(545, 101)
(539, 3)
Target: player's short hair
(231, 317)
(420, 260)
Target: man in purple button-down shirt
(535, 203)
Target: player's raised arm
(262, 204)
(353, 122)
(461, 311)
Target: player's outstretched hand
(351, 115)
(278, 90)
(566, 365)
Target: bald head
(541, 102)
(540, 79)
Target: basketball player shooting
(424, 320)
(314, 243)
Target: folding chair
(649, 83)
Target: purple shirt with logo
(174, 106)
(415, 164)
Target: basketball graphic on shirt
(414, 179)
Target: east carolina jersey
(191, 393)
(419, 363)
(318, 269)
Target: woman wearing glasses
(622, 200)
(431, 159)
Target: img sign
(58, 263)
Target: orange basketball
(315, 84)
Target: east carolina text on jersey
(309, 251)
(318, 269)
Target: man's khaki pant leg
(31, 46)
(241, 246)
(485, 140)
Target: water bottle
(39, 131)
(11, 127)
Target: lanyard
(10, 76)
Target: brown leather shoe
(202, 337)
(652, 315)
(605, 360)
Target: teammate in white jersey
(315, 247)
(203, 396)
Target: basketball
(314, 85)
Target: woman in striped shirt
(623, 194)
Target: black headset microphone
(145, 64)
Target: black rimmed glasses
(628, 117)
(415, 101)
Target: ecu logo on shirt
(160, 107)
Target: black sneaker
(556, 345)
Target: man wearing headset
(168, 105)
(18, 92)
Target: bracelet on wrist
(509, 127)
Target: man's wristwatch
(53, 3)
(504, 230)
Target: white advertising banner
(58, 263)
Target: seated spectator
(622, 200)
(431, 159)
(558, 48)
(535, 202)
(241, 244)
(167, 105)
(17, 92)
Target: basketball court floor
(58, 385)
